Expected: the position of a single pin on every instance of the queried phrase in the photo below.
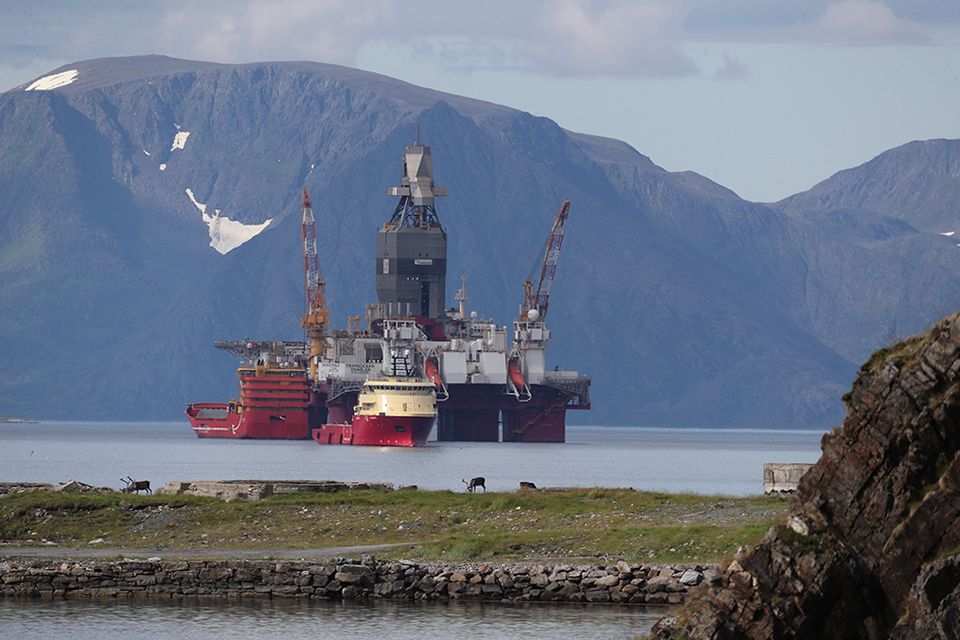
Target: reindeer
(479, 481)
(527, 486)
(136, 486)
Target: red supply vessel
(274, 403)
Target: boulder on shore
(870, 549)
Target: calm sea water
(711, 461)
(700, 460)
(267, 620)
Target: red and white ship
(391, 412)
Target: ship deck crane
(316, 318)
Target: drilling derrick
(314, 321)
(411, 258)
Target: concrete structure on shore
(258, 489)
(783, 477)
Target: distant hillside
(687, 304)
(918, 183)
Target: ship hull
(275, 404)
(474, 412)
(209, 420)
(378, 431)
(392, 431)
(212, 420)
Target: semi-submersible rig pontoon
(414, 362)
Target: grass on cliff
(576, 524)
(904, 352)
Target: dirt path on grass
(69, 553)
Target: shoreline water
(705, 461)
(299, 619)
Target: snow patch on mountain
(226, 234)
(199, 205)
(54, 81)
(180, 140)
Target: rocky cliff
(871, 546)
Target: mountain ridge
(918, 182)
(687, 304)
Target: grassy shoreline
(570, 525)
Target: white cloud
(732, 69)
(329, 31)
(619, 38)
(567, 37)
(562, 37)
(863, 22)
(465, 54)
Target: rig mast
(315, 320)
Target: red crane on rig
(539, 299)
(315, 320)
(530, 333)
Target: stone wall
(352, 579)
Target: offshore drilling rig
(489, 381)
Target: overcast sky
(767, 97)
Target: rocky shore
(342, 579)
(872, 547)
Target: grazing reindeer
(527, 486)
(479, 481)
(136, 486)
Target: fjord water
(710, 461)
(266, 620)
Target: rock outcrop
(871, 546)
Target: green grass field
(569, 525)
